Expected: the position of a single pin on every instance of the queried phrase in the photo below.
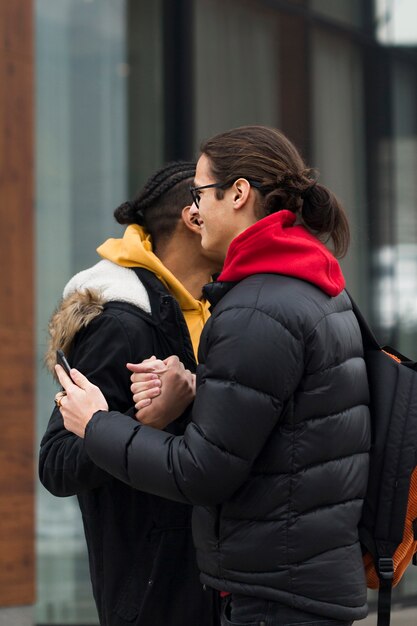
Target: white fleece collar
(115, 283)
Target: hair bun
(309, 189)
(125, 213)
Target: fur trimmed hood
(73, 313)
(84, 298)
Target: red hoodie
(275, 246)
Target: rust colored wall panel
(16, 304)
(16, 26)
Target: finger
(63, 378)
(140, 368)
(151, 359)
(58, 398)
(172, 360)
(80, 380)
(146, 395)
(147, 367)
(142, 404)
(137, 387)
(143, 378)
(64, 398)
(158, 365)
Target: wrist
(94, 416)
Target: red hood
(275, 246)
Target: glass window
(405, 198)
(347, 11)
(339, 148)
(90, 149)
(145, 97)
(237, 65)
(396, 21)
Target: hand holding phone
(61, 359)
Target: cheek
(214, 225)
(209, 234)
(204, 242)
(215, 240)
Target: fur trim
(74, 312)
(83, 299)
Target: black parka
(275, 459)
(141, 554)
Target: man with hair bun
(143, 298)
(275, 458)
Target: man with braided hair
(143, 298)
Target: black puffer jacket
(142, 559)
(276, 456)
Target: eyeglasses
(196, 196)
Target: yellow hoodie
(135, 250)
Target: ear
(189, 219)
(240, 193)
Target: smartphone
(61, 359)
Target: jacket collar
(215, 291)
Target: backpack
(388, 527)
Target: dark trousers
(240, 610)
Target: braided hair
(158, 206)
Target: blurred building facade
(121, 86)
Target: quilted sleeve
(253, 365)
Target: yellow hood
(135, 250)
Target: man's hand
(161, 390)
(146, 382)
(81, 400)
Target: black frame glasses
(196, 197)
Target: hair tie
(309, 189)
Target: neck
(183, 257)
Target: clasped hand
(161, 390)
